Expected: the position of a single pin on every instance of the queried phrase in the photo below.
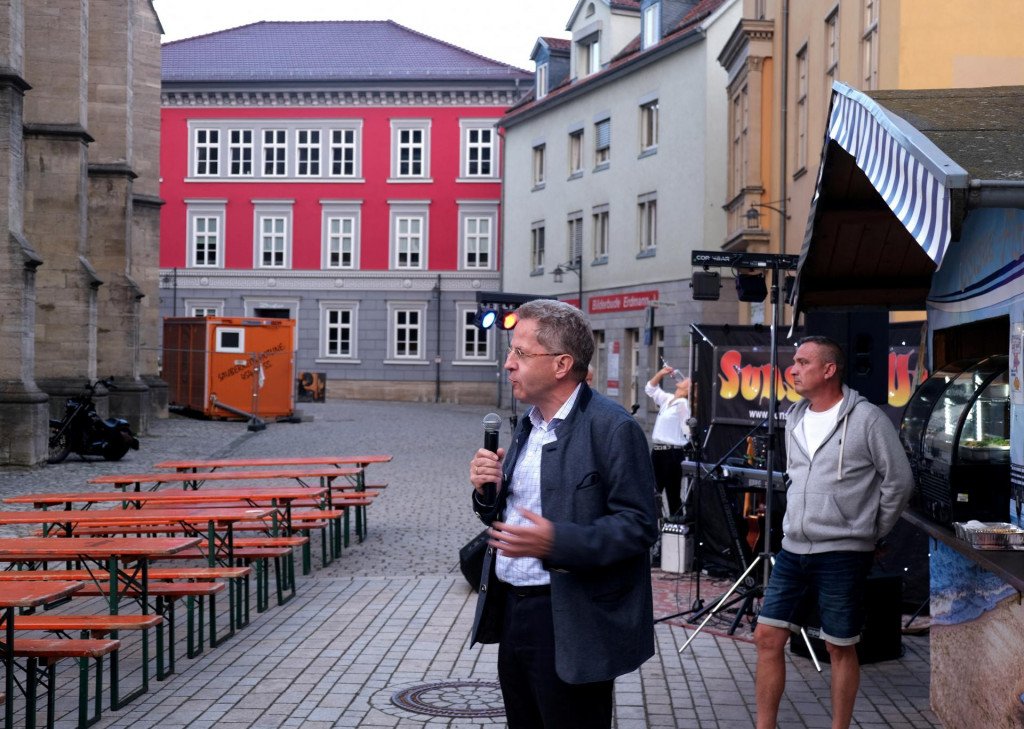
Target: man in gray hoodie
(850, 480)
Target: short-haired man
(850, 480)
(566, 584)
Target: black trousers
(535, 697)
(669, 475)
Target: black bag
(471, 559)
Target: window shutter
(604, 134)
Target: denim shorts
(838, 578)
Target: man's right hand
(486, 468)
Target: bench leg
(31, 687)
(306, 556)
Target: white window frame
(802, 69)
(468, 332)
(647, 224)
(831, 49)
(398, 126)
(209, 307)
(206, 152)
(272, 210)
(409, 210)
(308, 152)
(481, 211)
(574, 237)
(651, 25)
(542, 81)
(650, 111)
(576, 153)
(600, 232)
(195, 209)
(395, 308)
(869, 44)
(588, 55)
(602, 143)
(537, 247)
(327, 308)
(739, 118)
(219, 346)
(539, 165)
(246, 152)
(340, 210)
(340, 147)
(467, 128)
(274, 151)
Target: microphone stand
(698, 604)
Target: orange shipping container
(229, 367)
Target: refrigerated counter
(956, 431)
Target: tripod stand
(775, 262)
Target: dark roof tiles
(343, 50)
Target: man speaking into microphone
(566, 583)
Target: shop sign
(621, 302)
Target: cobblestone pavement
(379, 638)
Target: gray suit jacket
(597, 486)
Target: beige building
(867, 44)
(79, 98)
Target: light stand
(776, 263)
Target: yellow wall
(953, 44)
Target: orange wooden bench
(42, 655)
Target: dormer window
(588, 60)
(542, 80)
(651, 25)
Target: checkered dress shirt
(524, 493)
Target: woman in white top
(670, 436)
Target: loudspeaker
(864, 337)
(882, 636)
(471, 559)
(722, 533)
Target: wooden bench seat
(42, 655)
(155, 573)
(98, 626)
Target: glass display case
(956, 431)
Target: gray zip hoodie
(851, 493)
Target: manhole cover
(452, 698)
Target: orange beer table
(24, 595)
(111, 553)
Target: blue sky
(505, 31)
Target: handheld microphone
(492, 423)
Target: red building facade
(357, 191)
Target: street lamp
(577, 268)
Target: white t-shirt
(819, 425)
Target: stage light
(485, 318)
(509, 320)
(751, 287)
(705, 285)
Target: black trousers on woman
(669, 474)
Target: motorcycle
(83, 431)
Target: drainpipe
(499, 258)
(783, 146)
(437, 359)
(995, 194)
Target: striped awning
(911, 174)
(896, 174)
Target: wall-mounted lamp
(753, 215)
(577, 268)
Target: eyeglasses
(517, 353)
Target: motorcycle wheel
(117, 447)
(59, 446)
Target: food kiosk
(919, 205)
